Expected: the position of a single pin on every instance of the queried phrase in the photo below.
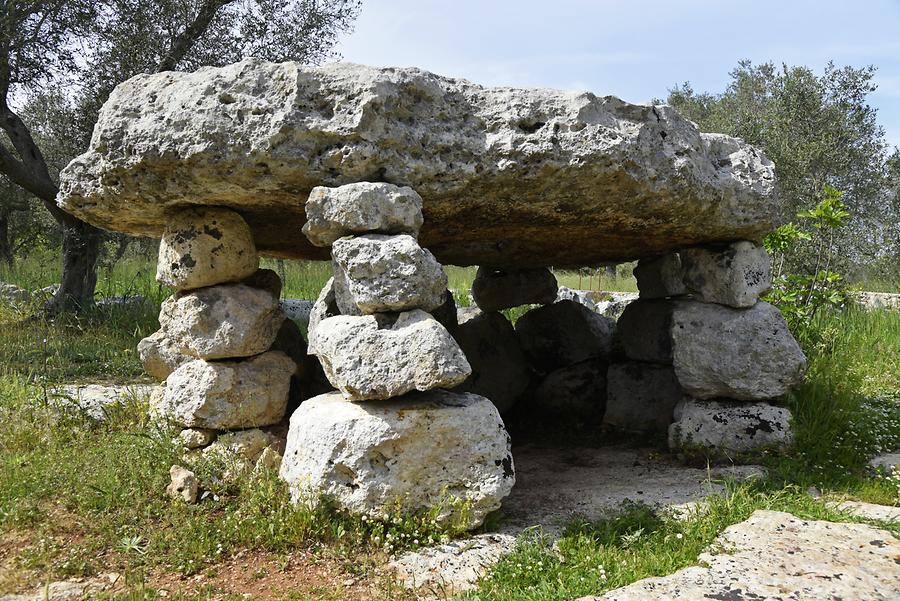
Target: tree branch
(185, 41)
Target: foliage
(818, 130)
(59, 61)
(799, 296)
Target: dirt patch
(300, 574)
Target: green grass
(594, 557)
(80, 490)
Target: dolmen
(390, 174)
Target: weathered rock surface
(556, 178)
(660, 277)
(221, 322)
(265, 279)
(497, 289)
(184, 484)
(324, 307)
(735, 275)
(717, 351)
(196, 438)
(613, 304)
(641, 397)
(579, 296)
(576, 391)
(499, 368)
(383, 356)
(13, 294)
(746, 354)
(372, 457)
(556, 483)
(887, 462)
(290, 341)
(376, 273)
(160, 356)
(878, 300)
(360, 208)
(297, 309)
(240, 451)
(644, 331)
(778, 557)
(562, 334)
(97, 400)
(225, 395)
(451, 568)
(203, 246)
(729, 426)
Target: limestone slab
(554, 177)
(779, 557)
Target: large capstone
(361, 208)
(376, 273)
(383, 356)
(203, 246)
(499, 368)
(220, 322)
(435, 450)
(727, 426)
(563, 334)
(225, 395)
(510, 177)
(497, 289)
(734, 275)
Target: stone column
(224, 350)
(701, 356)
(391, 438)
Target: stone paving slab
(778, 557)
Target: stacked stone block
(220, 349)
(701, 356)
(374, 445)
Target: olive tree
(818, 130)
(79, 50)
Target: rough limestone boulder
(729, 426)
(361, 208)
(735, 275)
(204, 246)
(160, 356)
(220, 322)
(382, 356)
(717, 351)
(660, 277)
(265, 279)
(324, 307)
(499, 368)
(574, 392)
(563, 334)
(428, 450)
(641, 397)
(555, 178)
(746, 354)
(225, 395)
(376, 273)
(497, 289)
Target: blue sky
(634, 50)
